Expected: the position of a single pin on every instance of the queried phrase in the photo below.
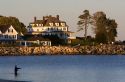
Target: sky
(69, 10)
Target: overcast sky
(69, 10)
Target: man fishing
(16, 70)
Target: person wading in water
(16, 70)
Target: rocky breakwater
(103, 49)
(43, 50)
(63, 50)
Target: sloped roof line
(4, 28)
(48, 19)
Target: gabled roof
(37, 22)
(52, 20)
(4, 28)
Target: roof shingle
(49, 19)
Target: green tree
(111, 30)
(85, 20)
(100, 24)
(19, 26)
(105, 29)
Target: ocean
(78, 68)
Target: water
(64, 68)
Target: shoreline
(105, 49)
(4, 80)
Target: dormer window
(51, 24)
(40, 25)
(62, 24)
(57, 24)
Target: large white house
(49, 25)
(7, 32)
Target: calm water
(64, 68)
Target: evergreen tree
(85, 20)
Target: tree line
(105, 29)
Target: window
(42, 29)
(64, 29)
(51, 29)
(63, 24)
(37, 30)
(29, 29)
(13, 36)
(51, 24)
(9, 36)
(60, 29)
(12, 30)
(57, 24)
(6, 36)
(48, 29)
(54, 29)
(40, 25)
(0, 35)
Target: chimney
(35, 19)
(57, 16)
(43, 18)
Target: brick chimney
(43, 18)
(35, 19)
(57, 16)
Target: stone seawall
(63, 50)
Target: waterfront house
(8, 34)
(48, 26)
